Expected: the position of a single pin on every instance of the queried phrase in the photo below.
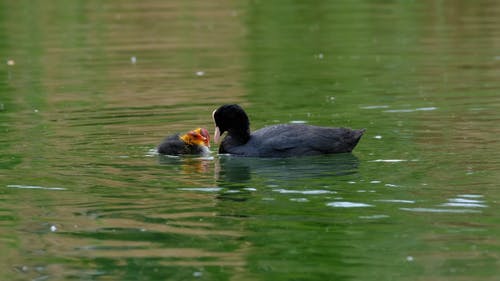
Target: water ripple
(437, 210)
(34, 187)
(466, 203)
(410, 110)
(345, 204)
(204, 189)
(309, 192)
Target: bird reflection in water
(230, 170)
(188, 164)
(240, 169)
(240, 176)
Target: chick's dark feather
(173, 145)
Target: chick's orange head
(205, 135)
(198, 136)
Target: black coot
(283, 140)
(194, 142)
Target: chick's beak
(204, 135)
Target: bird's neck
(241, 135)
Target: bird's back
(288, 140)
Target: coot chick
(283, 140)
(194, 142)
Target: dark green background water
(88, 88)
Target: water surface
(88, 89)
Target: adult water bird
(283, 140)
(194, 142)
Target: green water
(89, 88)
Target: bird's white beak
(217, 135)
(217, 131)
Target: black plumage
(283, 140)
(194, 142)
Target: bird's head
(231, 118)
(199, 136)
